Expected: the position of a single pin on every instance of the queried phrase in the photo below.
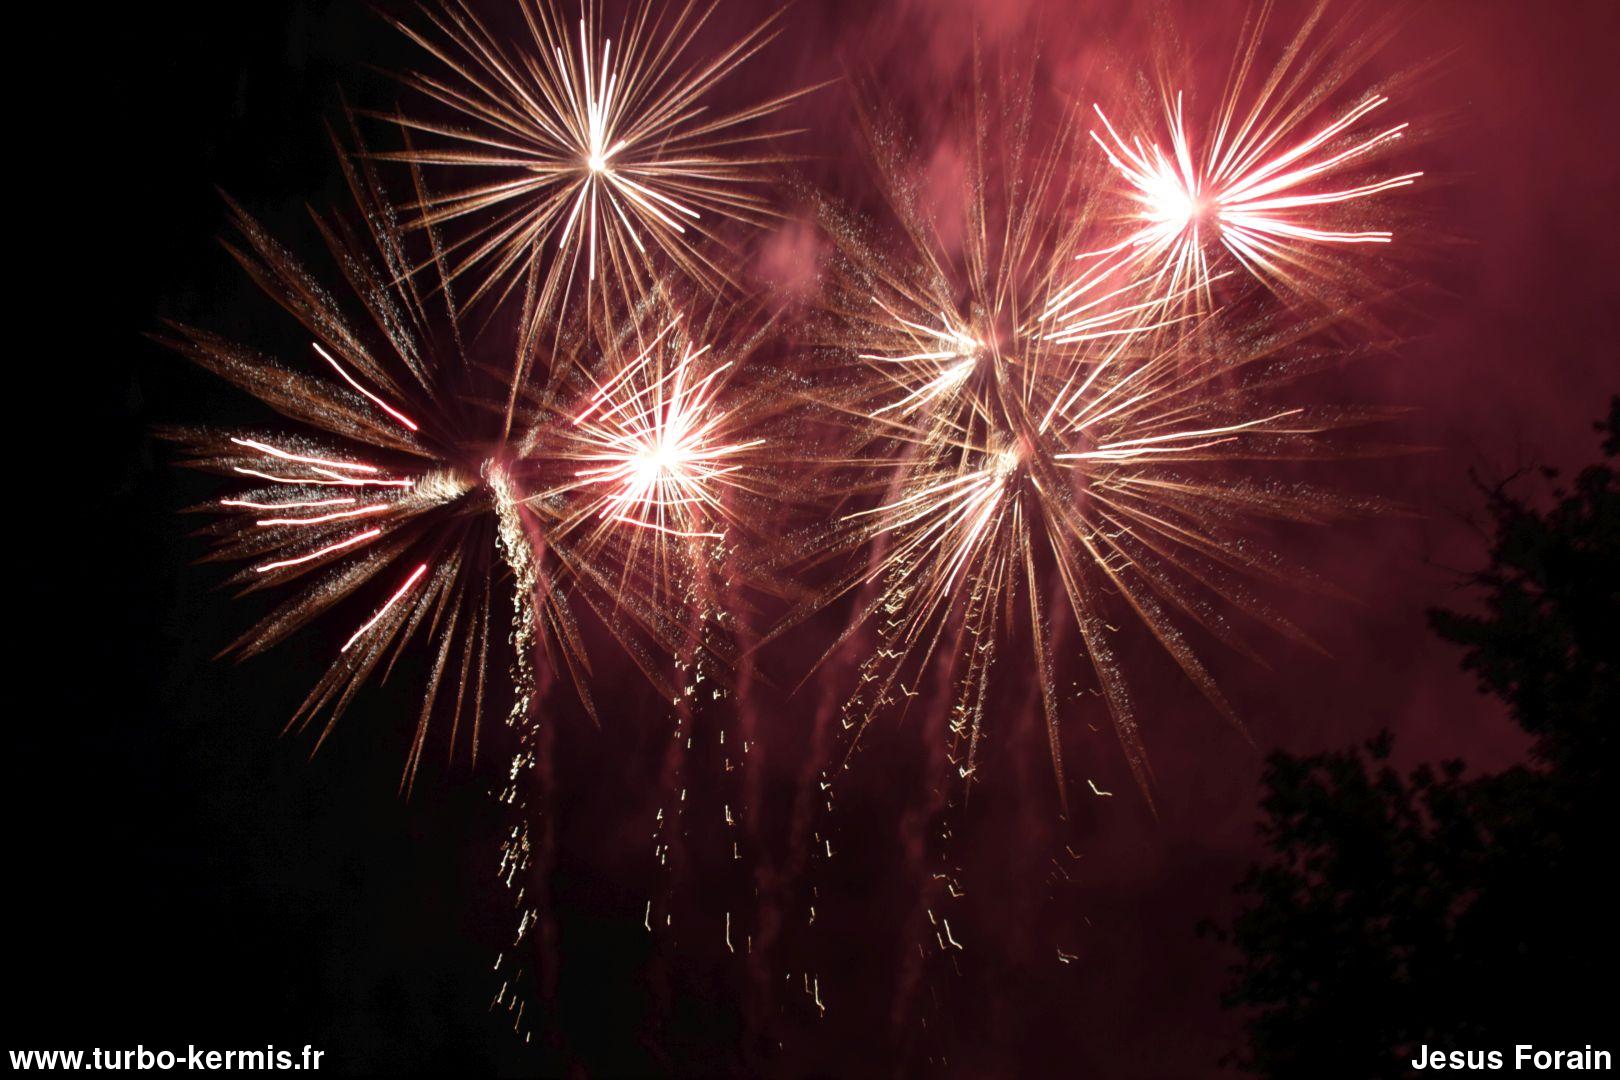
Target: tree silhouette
(1431, 908)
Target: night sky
(181, 873)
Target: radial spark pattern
(597, 150)
(1278, 178)
(652, 443)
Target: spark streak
(294, 505)
(392, 600)
(352, 381)
(265, 448)
(321, 519)
(358, 538)
(325, 479)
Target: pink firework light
(1279, 179)
(1035, 465)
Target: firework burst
(1001, 456)
(657, 446)
(1279, 180)
(383, 478)
(614, 494)
(597, 150)
(400, 469)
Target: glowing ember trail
(379, 402)
(392, 600)
(339, 545)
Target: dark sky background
(181, 874)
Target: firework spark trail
(757, 876)
(691, 907)
(1272, 179)
(525, 859)
(704, 905)
(594, 147)
(638, 476)
(789, 946)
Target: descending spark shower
(1051, 410)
